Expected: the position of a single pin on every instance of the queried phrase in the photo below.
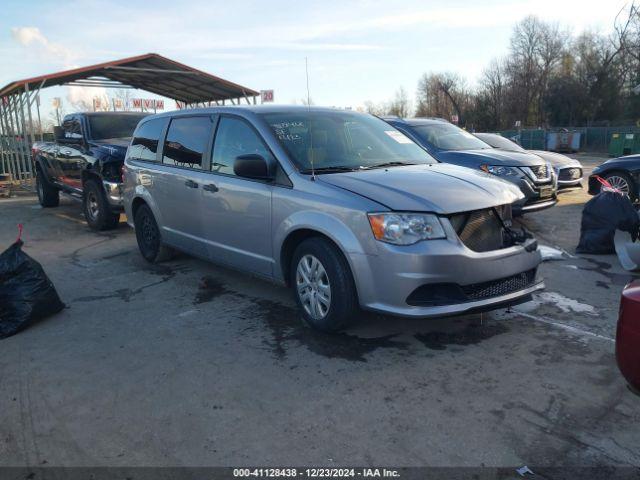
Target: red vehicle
(628, 335)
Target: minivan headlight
(405, 228)
(500, 170)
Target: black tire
(343, 307)
(617, 177)
(48, 195)
(96, 208)
(149, 238)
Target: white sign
(55, 102)
(266, 96)
(518, 123)
(454, 118)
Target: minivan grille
(541, 172)
(480, 231)
(502, 286)
(438, 294)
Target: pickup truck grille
(481, 231)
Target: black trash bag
(26, 293)
(602, 216)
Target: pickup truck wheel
(323, 286)
(97, 212)
(149, 238)
(48, 195)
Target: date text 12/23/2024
(315, 473)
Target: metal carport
(151, 72)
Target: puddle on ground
(116, 255)
(287, 326)
(602, 268)
(209, 289)
(471, 334)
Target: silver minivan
(338, 205)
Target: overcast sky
(358, 50)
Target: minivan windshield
(109, 125)
(498, 141)
(337, 141)
(447, 136)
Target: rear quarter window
(186, 141)
(144, 145)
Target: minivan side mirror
(253, 166)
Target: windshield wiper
(389, 164)
(333, 169)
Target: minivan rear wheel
(149, 238)
(323, 286)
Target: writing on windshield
(342, 140)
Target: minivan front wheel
(148, 236)
(323, 285)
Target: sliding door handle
(191, 184)
(210, 188)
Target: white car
(568, 170)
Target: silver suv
(339, 205)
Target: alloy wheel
(313, 287)
(619, 183)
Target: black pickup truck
(86, 161)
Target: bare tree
(442, 95)
(378, 109)
(400, 105)
(536, 48)
(124, 97)
(493, 89)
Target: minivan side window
(234, 137)
(186, 141)
(144, 145)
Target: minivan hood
(437, 188)
(490, 156)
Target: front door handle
(191, 184)
(210, 188)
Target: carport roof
(151, 72)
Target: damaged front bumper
(444, 277)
